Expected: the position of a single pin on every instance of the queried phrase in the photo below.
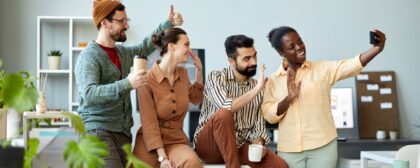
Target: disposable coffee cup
(255, 152)
(139, 63)
(401, 164)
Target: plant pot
(3, 124)
(380, 134)
(393, 135)
(13, 120)
(54, 62)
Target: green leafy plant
(55, 53)
(30, 153)
(4, 144)
(132, 161)
(36, 122)
(17, 91)
(87, 153)
(90, 150)
(76, 121)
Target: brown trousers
(216, 144)
(183, 155)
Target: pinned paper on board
(386, 105)
(386, 78)
(385, 91)
(362, 77)
(372, 87)
(366, 98)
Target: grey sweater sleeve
(88, 72)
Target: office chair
(410, 153)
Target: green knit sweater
(104, 90)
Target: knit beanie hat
(102, 8)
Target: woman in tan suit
(164, 101)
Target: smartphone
(372, 36)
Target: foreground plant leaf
(31, 152)
(76, 122)
(16, 95)
(88, 153)
(132, 161)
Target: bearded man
(104, 80)
(230, 118)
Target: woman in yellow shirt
(297, 97)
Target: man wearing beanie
(104, 80)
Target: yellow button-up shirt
(308, 123)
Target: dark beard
(120, 37)
(247, 72)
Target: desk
(352, 147)
(34, 115)
(381, 156)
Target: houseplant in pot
(54, 57)
(393, 134)
(380, 134)
(18, 92)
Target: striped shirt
(219, 90)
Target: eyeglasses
(122, 21)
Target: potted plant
(380, 134)
(54, 57)
(18, 92)
(393, 134)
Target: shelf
(60, 71)
(77, 48)
(54, 19)
(87, 19)
(55, 124)
(27, 115)
(50, 115)
(63, 33)
(47, 114)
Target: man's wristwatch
(162, 158)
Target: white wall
(331, 29)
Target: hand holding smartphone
(373, 37)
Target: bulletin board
(377, 102)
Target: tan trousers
(216, 144)
(183, 155)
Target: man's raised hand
(174, 17)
